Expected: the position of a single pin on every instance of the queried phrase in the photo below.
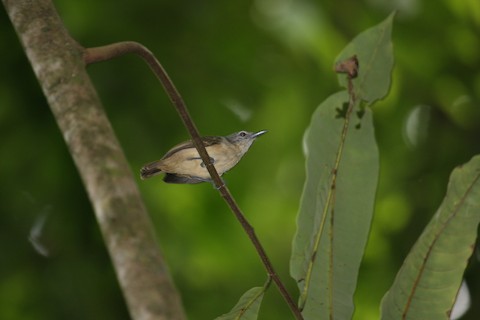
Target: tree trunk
(57, 61)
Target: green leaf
(431, 275)
(338, 197)
(247, 307)
(374, 50)
(334, 218)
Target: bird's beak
(259, 133)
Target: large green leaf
(338, 197)
(334, 220)
(247, 307)
(428, 282)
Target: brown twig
(103, 53)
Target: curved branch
(107, 52)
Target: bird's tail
(150, 170)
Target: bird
(183, 165)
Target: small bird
(183, 164)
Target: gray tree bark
(57, 61)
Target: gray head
(244, 139)
(244, 136)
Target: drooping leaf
(334, 220)
(338, 197)
(374, 50)
(247, 307)
(431, 275)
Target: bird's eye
(242, 134)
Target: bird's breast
(187, 162)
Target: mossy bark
(58, 63)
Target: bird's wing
(207, 141)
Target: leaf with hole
(342, 165)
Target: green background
(249, 65)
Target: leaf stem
(98, 54)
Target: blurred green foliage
(239, 65)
